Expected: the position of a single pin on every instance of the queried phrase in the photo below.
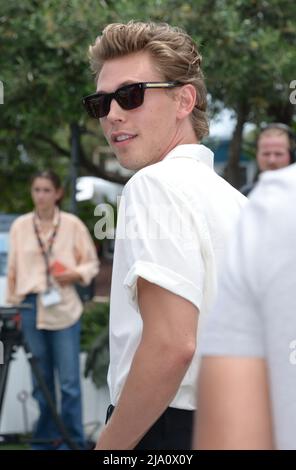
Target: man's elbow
(185, 354)
(189, 352)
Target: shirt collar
(55, 220)
(198, 152)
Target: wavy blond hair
(174, 53)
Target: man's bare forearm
(152, 383)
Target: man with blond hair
(174, 219)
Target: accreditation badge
(50, 297)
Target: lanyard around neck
(46, 252)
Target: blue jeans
(57, 352)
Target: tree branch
(96, 171)
(85, 163)
(53, 144)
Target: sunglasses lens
(97, 106)
(131, 96)
(128, 97)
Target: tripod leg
(8, 350)
(39, 377)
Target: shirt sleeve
(85, 253)
(234, 327)
(160, 240)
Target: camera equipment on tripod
(10, 319)
(11, 337)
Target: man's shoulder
(271, 203)
(174, 172)
(283, 178)
(150, 175)
(183, 178)
(276, 186)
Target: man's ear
(186, 100)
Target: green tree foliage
(44, 70)
(250, 57)
(249, 50)
(249, 62)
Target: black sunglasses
(128, 97)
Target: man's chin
(129, 164)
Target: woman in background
(50, 251)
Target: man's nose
(272, 162)
(272, 158)
(116, 113)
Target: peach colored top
(72, 246)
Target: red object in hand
(57, 268)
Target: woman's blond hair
(174, 53)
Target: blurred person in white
(275, 149)
(247, 383)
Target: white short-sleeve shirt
(173, 223)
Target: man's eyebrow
(125, 83)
